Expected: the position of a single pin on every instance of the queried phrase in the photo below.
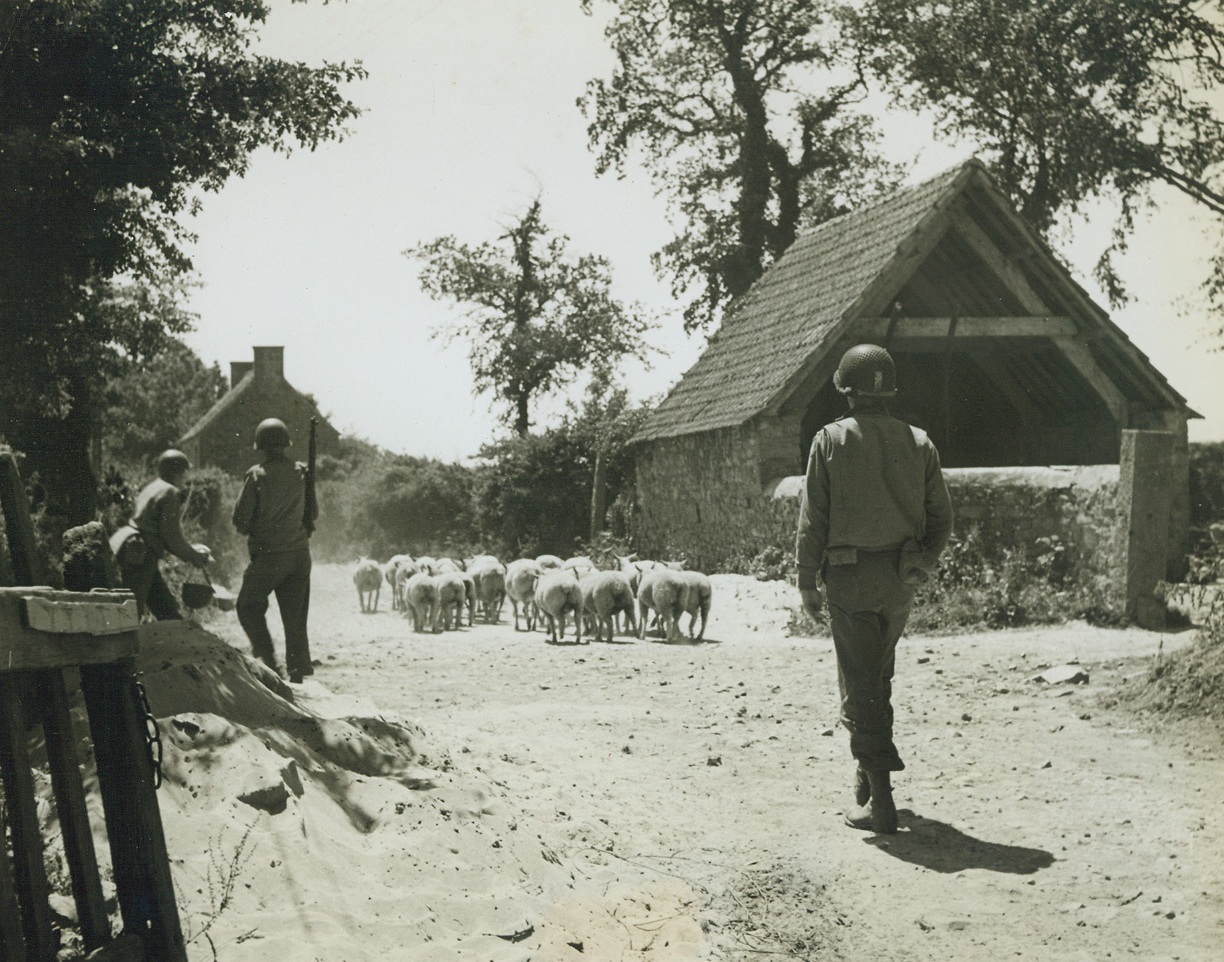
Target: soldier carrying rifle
(277, 511)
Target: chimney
(239, 370)
(269, 363)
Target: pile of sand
(326, 829)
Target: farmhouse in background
(1001, 356)
(225, 436)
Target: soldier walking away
(873, 519)
(155, 530)
(276, 514)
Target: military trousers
(153, 595)
(287, 574)
(868, 608)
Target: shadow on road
(942, 848)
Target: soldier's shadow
(942, 848)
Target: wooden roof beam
(1002, 266)
(1012, 390)
(1082, 360)
(1045, 325)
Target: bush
(376, 504)
(978, 585)
(533, 495)
(1206, 483)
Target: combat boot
(879, 813)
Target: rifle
(312, 504)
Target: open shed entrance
(993, 403)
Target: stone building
(1001, 356)
(225, 436)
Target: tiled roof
(227, 400)
(793, 310)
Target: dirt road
(694, 792)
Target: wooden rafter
(1082, 360)
(1003, 267)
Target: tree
(535, 318)
(1070, 100)
(113, 117)
(540, 493)
(747, 114)
(154, 403)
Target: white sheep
(521, 577)
(664, 591)
(634, 567)
(469, 594)
(557, 593)
(605, 594)
(390, 569)
(403, 572)
(452, 596)
(697, 600)
(490, 578)
(420, 593)
(548, 561)
(581, 565)
(368, 578)
(441, 566)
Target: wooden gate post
(139, 856)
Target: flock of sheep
(435, 592)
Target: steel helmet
(171, 463)
(866, 370)
(272, 435)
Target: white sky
(470, 112)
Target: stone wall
(1012, 508)
(699, 496)
(703, 497)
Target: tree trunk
(58, 449)
(599, 495)
(521, 422)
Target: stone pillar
(1145, 496)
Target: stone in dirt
(1062, 675)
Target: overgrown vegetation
(1190, 683)
(980, 584)
(378, 504)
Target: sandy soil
(481, 794)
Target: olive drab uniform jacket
(873, 483)
(271, 507)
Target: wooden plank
(73, 815)
(63, 651)
(23, 548)
(12, 938)
(1081, 358)
(1023, 325)
(22, 647)
(29, 873)
(79, 617)
(1003, 268)
(134, 830)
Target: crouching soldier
(154, 531)
(873, 519)
(271, 512)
